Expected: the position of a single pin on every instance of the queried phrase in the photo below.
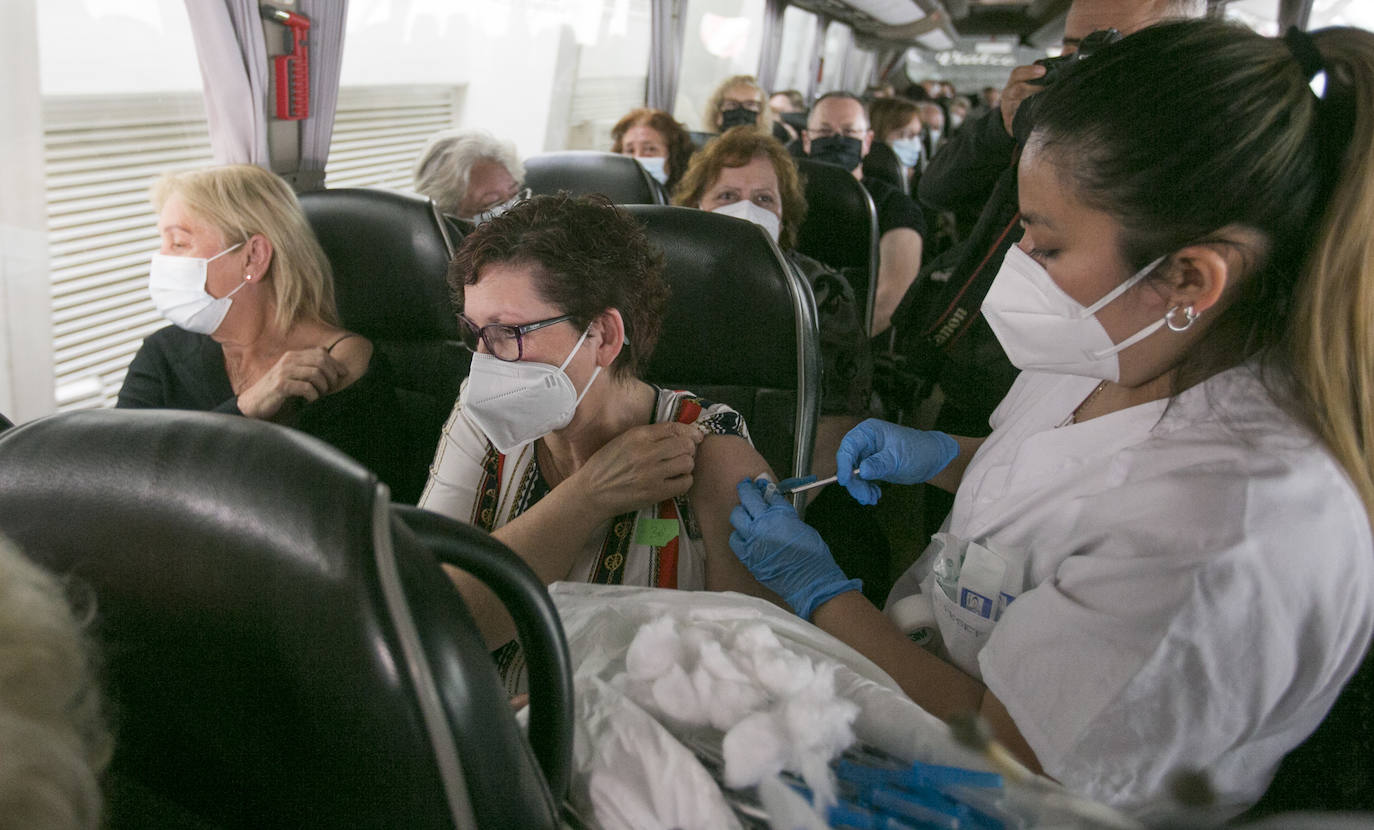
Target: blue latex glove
(783, 552)
(881, 451)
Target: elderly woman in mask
(556, 445)
(255, 332)
(470, 174)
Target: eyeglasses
(503, 342)
(730, 106)
(823, 132)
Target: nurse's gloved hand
(881, 451)
(783, 552)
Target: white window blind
(380, 130)
(102, 154)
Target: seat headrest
(390, 262)
(731, 318)
(581, 172)
(841, 224)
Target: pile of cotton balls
(778, 709)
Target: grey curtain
(233, 71)
(668, 23)
(327, 19)
(771, 48)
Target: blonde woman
(738, 101)
(255, 333)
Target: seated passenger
(657, 141)
(739, 102)
(243, 280)
(789, 114)
(54, 743)
(838, 133)
(1160, 561)
(470, 174)
(555, 445)
(751, 176)
(895, 154)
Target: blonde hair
(764, 125)
(53, 740)
(445, 165)
(1330, 336)
(241, 200)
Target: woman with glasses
(556, 446)
(470, 174)
(739, 101)
(255, 332)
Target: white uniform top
(1197, 588)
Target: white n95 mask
(1042, 328)
(656, 166)
(177, 285)
(515, 402)
(747, 210)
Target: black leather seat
(278, 649)
(581, 172)
(841, 228)
(882, 163)
(740, 328)
(390, 254)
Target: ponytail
(1330, 332)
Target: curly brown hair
(680, 146)
(586, 255)
(736, 148)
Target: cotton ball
(721, 665)
(781, 672)
(754, 749)
(656, 647)
(694, 638)
(732, 703)
(756, 637)
(674, 696)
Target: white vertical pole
(26, 351)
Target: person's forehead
(643, 132)
(757, 173)
(838, 110)
(742, 92)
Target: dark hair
(1184, 129)
(736, 148)
(675, 136)
(888, 114)
(586, 255)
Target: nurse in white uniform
(1160, 560)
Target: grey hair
(52, 731)
(445, 165)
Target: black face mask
(839, 150)
(737, 118)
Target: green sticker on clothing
(655, 532)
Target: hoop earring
(1189, 316)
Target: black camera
(1054, 67)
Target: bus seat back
(841, 228)
(252, 603)
(740, 328)
(581, 172)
